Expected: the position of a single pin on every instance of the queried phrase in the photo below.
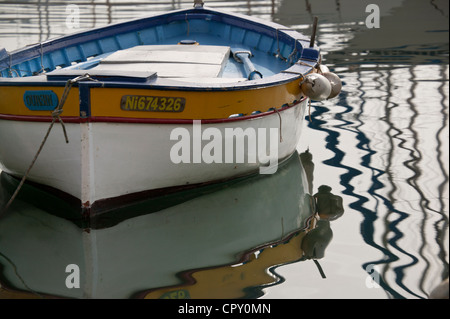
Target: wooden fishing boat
(187, 97)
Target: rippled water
(382, 145)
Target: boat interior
(189, 45)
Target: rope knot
(56, 113)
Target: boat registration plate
(152, 103)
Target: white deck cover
(170, 61)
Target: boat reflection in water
(216, 241)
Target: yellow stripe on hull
(157, 104)
(144, 103)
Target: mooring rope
(42, 59)
(56, 116)
(281, 123)
(322, 273)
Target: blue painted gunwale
(64, 50)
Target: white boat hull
(109, 159)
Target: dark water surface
(382, 146)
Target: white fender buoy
(336, 84)
(316, 87)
